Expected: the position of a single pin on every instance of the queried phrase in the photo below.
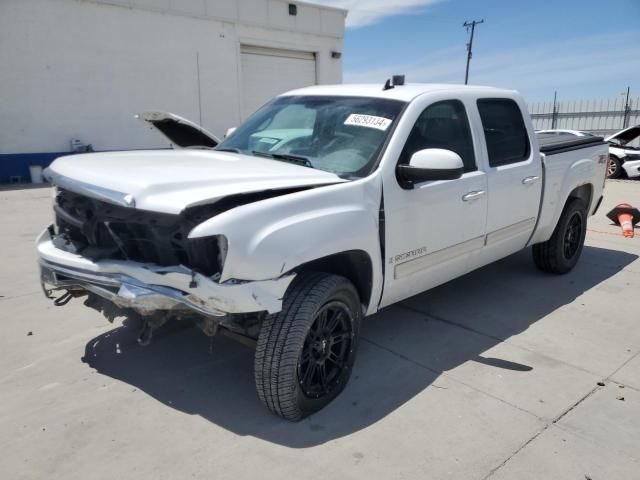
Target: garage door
(267, 72)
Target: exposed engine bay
(101, 230)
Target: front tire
(614, 167)
(305, 353)
(561, 252)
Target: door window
(504, 131)
(442, 125)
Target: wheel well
(584, 193)
(354, 265)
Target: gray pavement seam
(622, 366)
(11, 297)
(518, 450)
(572, 407)
(537, 434)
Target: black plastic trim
(382, 239)
(551, 144)
(597, 205)
(407, 175)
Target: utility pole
(471, 25)
(627, 110)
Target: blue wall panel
(17, 164)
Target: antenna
(470, 25)
(395, 80)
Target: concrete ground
(494, 375)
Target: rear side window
(504, 131)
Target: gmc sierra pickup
(326, 205)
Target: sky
(582, 49)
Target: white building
(81, 69)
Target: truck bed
(552, 144)
(568, 162)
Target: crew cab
(325, 206)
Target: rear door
(514, 176)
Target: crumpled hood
(169, 181)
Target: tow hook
(47, 291)
(63, 299)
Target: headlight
(207, 254)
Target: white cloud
(568, 66)
(368, 12)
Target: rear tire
(614, 167)
(305, 353)
(561, 252)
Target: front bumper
(147, 288)
(632, 168)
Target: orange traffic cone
(626, 217)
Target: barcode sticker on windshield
(370, 121)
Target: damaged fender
(271, 237)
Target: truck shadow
(404, 350)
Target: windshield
(342, 135)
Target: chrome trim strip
(439, 256)
(99, 193)
(510, 231)
(148, 298)
(420, 263)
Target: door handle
(467, 197)
(530, 180)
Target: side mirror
(430, 164)
(229, 132)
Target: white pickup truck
(326, 205)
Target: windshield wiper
(233, 150)
(285, 157)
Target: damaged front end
(132, 262)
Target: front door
(434, 229)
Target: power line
(470, 25)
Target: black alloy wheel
(326, 350)
(561, 252)
(305, 353)
(572, 236)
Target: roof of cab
(404, 93)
